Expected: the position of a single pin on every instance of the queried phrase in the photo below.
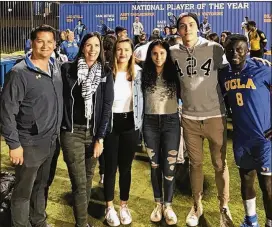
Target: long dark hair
(169, 75)
(101, 57)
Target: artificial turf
(141, 203)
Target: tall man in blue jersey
(247, 85)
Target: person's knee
(151, 153)
(220, 165)
(267, 188)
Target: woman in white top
(121, 143)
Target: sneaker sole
(125, 223)
(155, 221)
(113, 224)
(192, 225)
(171, 222)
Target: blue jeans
(162, 137)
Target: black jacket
(104, 97)
(31, 104)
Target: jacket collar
(30, 65)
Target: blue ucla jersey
(250, 99)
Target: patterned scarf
(90, 80)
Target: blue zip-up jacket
(104, 97)
(31, 104)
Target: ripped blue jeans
(162, 137)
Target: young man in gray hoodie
(203, 114)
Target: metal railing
(18, 18)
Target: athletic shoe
(250, 221)
(169, 215)
(112, 217)
(225, 217)
(192, 218)
(156, 214)
(125, 216)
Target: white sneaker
(112, 217)
(101, 179)
(125, 215)
(156, 214)
(169, 215)
(192, 218)
(225, 217)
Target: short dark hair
(235, 37)
(214, 37)
(101, 57)
(226, 32)
(252, 23)
(119, 29)
(42, 28)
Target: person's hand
(17, 156)
(98, 149)
(264, 61)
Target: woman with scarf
(88, 99)
(121, 143)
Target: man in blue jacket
(31, 113)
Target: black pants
(257, 53)
(136, 39)
(248, 192)
(28, 200)
(101, 164)
(162, 137)
(119, 149)
(78, 156)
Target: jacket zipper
(72, 114)
(94, 114)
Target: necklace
(159, 74)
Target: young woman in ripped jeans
(161, 127)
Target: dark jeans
(28, 200)
(162, 137)
(53, 168)
(80, 162)
(119, 149)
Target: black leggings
(248, 191)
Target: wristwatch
(100, 140)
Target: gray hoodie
(197, 67)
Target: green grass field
(141, 203)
